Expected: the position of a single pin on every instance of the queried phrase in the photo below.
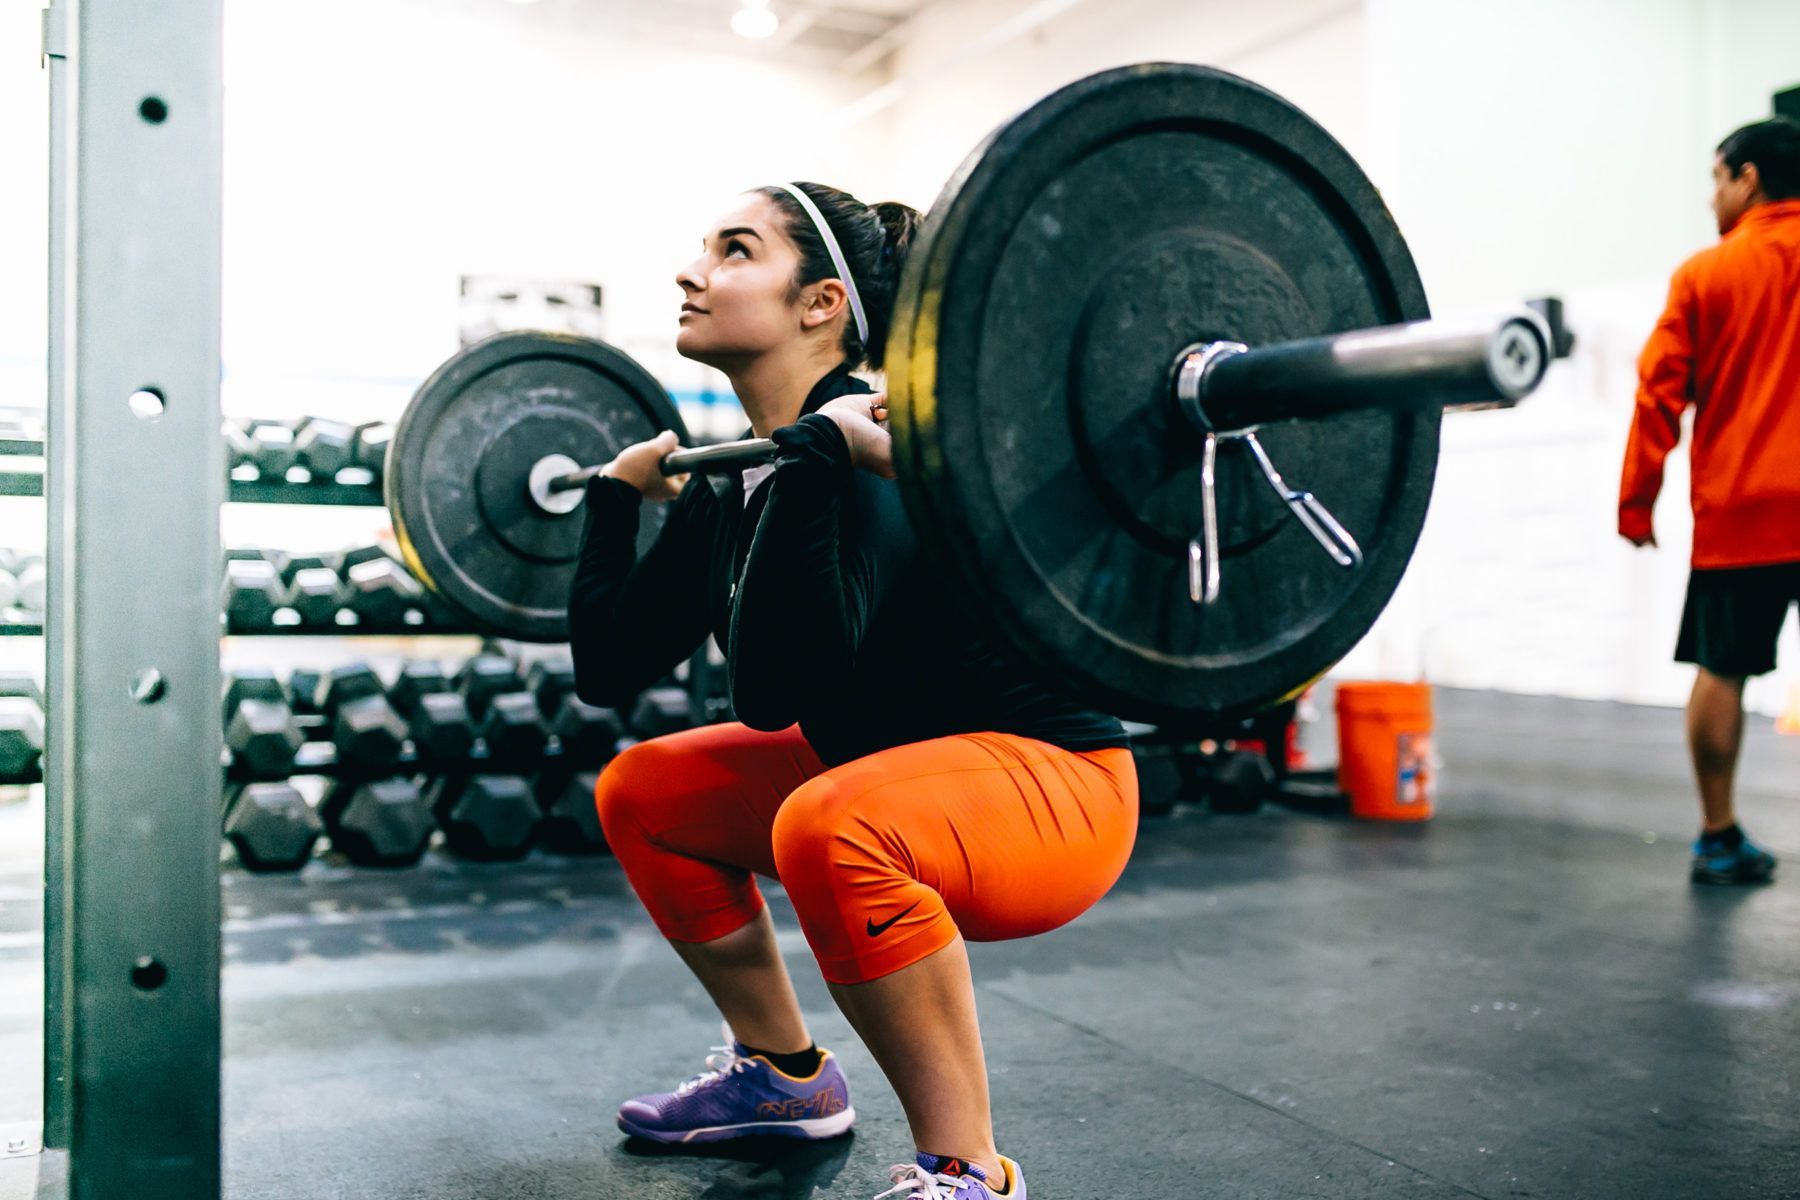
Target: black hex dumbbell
(251, 683)
(417, 678)
(314, 595)
(293, 564)
(259, 726)
(589, 735)
(21, 724)
(253, 594)
(1237, 781)
(240, 451)
(345, 559)
(550, 679)
(368, 733)
(263, 739)
(571, 823)
(346, 682)
(379, 822)
(272, 827)
(661, 710)
(272, 449)
(370, 449)
(325, 447)
(485, 676)
(34, 583)
(303, 689)
(513, 730)
(21, 685)
(21, 737)
(442, 730)
(380, 592)
(486, 817)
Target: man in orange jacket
(1729, 344)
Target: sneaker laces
(924, 1185)
(722, 1062)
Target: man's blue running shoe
(1745, 863)
(740, 1096)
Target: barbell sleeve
(1455, 365)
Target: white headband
(837, 256)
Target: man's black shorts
(1733, 617)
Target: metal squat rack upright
(135, 475)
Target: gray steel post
(58, 19)
(135, 478)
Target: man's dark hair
(1774, 146)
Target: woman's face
(737, 294)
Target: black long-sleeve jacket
(817, 594)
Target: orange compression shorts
(886, 858)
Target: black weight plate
(457, 469)
(1060, 273)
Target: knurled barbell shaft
(726, 456)
(1455, 365)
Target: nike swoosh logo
(877, 930)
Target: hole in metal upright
(148, 686)
(147, 974)
(146, 404)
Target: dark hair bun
(898, 224)
(874, 239)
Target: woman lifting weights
(908, 786)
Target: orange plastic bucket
(1385, 760)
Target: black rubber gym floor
(1523, 998)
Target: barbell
(1128, 306)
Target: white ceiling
(823, 33)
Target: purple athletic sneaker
(934, 1178)
(739, 1097)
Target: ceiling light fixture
(754, 20)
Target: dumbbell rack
(19, 439)
(322, 760)
(697, 677)
(316, 491)
(240, 491)
(286, 490)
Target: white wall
(377, 151)
(970, 64)
(24, 148)
(1558, 146)
(24, 204)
